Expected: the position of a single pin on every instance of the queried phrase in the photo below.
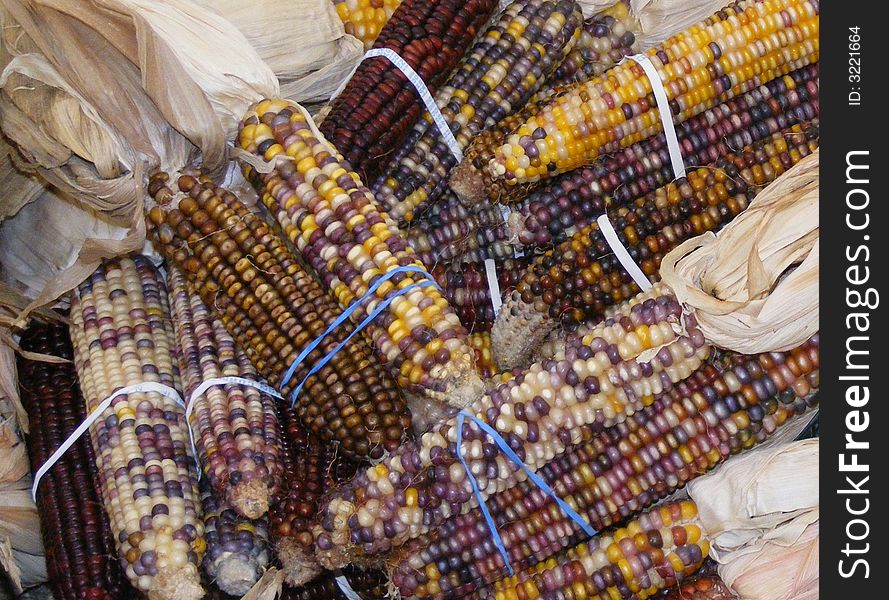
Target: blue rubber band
(534, 477)
(344, 316)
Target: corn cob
(575, 281)
(604, 40)
(484, 358)
(310, 469)
(334, 222)
(234, 426)
(451, 232)
(710, 587)
(75, 529)
(724, 408)
(555, 211)
(504, 68)
(740, 47)
(539, 413)
(273, 309)
(376, 109)
(466, 288)
(652, 553)
(369, 584)
(122, 335)
(364, 19)
(237, 547)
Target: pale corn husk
(18, 188)
(21, 548)
(302, 41)
(760, 511)
(268, 587)
(659, 19)
(753, 287)
(592, 7)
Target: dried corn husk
(18, 188)
(659, 19)
(171, 83)
(302, 41)
(21, 549)
(739, 282)
(592, 7)
(760, 511)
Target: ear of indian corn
(234, 425)
(738, 48)
(80, 553)
(540, 412)
(238, 550)
(577, 279)
(724, 408)
(310, 469)
(378, 106)
(466, 288)
(605, 38)
(365, 18)
(709, 587)
(369, 584)
(122, 335)
(553, 212)
(334, 222)
(449, 231)
(274, 308)
(651, 553)
(509, 62)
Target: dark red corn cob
(81, 558)
(726, 407)
(369, 584)
(709, 587)
(310, 469)
(374, 112)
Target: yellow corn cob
(365, 18)
(744, 45)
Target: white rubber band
(663, 106)
(346, 588)
(493, 285)
(206, 385)
(147, 386)
(621, 253)
(422, 90)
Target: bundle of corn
(577, 279)
(449, 231)
(122, 336)
(554, 212)
(233, 424)
(645, 348)
(357, 251)
(274, 309)
(76, 534)
(237, 547)
(310, 469)
(365, 18)
(506, 66)
(724, 408)
(651, 553)
(466, 287)
(740, 47)
(375, 110)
